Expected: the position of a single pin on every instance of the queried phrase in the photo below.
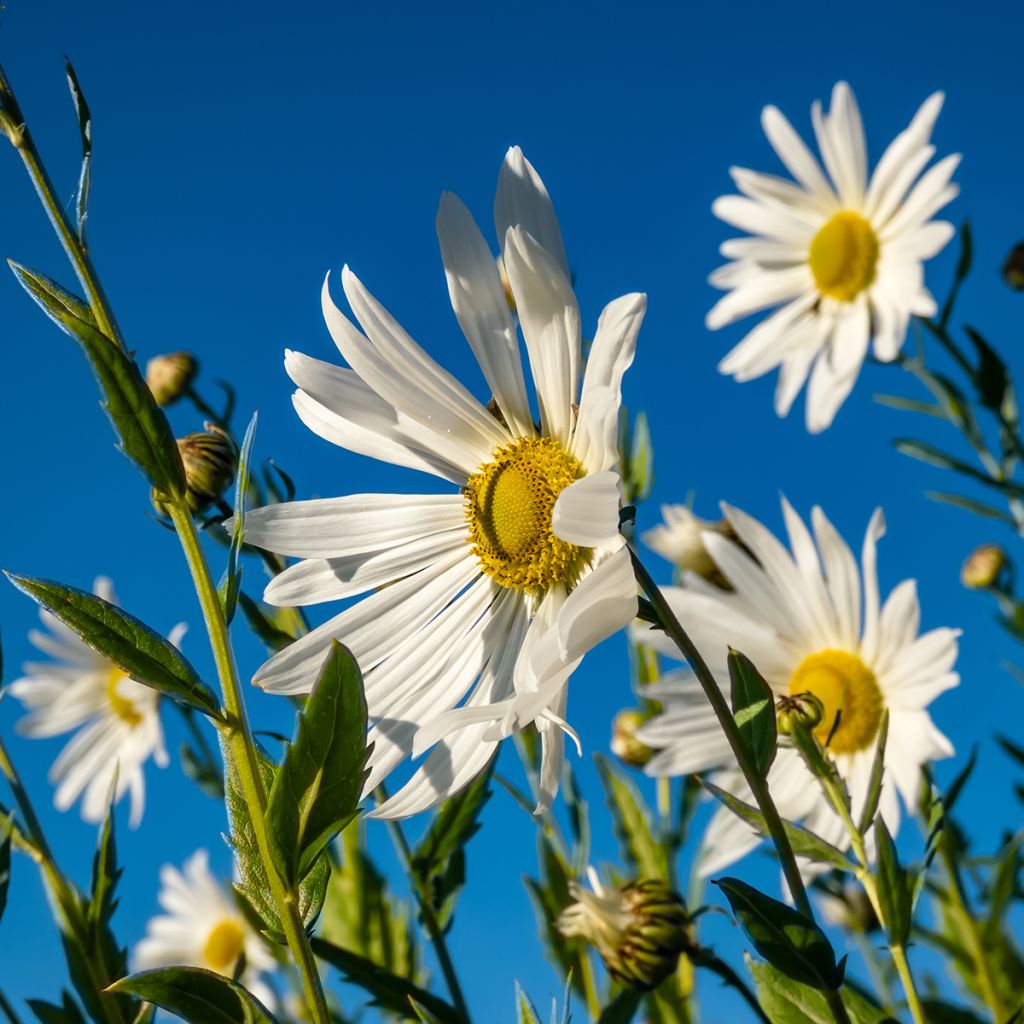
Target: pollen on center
(224, 945)
(843, 256)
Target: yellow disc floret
(122, 706)
(224, 945)
(509, 503)
(849, 692)
(843, 256)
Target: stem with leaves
(755, 779)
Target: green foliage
(388, 991)
(783, 936)
(6, 830)
(130, 644)
(788, 1001)
(196, 995)
(85, 130)
(68, 1012)
(622, 1008)
(874, 791)
(636, 458)
(633, 824)
(894, 887)
(526, 1012)
(753, 707)
(145, 435)
(233, 572)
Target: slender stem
(704, 957)
(899, 958)
(67, 904)
(204, 408)
(17, 131)
(429, 917)
(241, 748)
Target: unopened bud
(983, 567)
(209, 461)
(639, 929)
(1013, 268)
(679, 538)
(170, 376)
(799, 709)
(625, 746)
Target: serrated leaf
(894, 890)
(232, 573)
(196, 995)
(633, 823)
(753, 707)
(783, 936)
(787, 1001)
(85, 130)
(319, 785)
(144, 433)
(129, 643)
(387, 990)
(874, 791)
(803, 841)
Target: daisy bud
(1013, 268)
(679, 538)
(170, 376)
(801, 709)
(639, 929)
(209, 460)
(983, 567)
(625, 746)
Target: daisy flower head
(203, 927)
(483, 599)
(812, 622)
(837, 256)
(116, 719)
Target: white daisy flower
(203, 927)
(810, 622)
(116, 719)
(840, 255)
(486, 596)
(679, 538)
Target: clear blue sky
(242, 150)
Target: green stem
(757, 783)
(704, 957)
(205, 409)
(241, 748)
(66, 902)
(899, 958)
(13, 123)
(428, 916)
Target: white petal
(586, 513)
(794, 153)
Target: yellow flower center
(849, 692)
(224, 945)
(843, 256)
(509, 502)
(122, 706)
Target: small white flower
(203, 927)
(842, 256)
(116, 719)
(810, 622)
(482, 600)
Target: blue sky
(243, 151)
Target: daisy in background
(484, 598)
(116, 719)
(812, 623)
(839, 257)
(203, 927)
(679, 538)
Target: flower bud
(803, 709)
(680, 540)
(625, 746)
(1013, 268)
(983, 567)
(639, 929)
(170, 376)
(209, 461)
(848, 907)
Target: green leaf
(232, 574)
(49, 1013)
(874, 792)
(144, 433)
(641, 460)
(963, 268)
(787, 1001)
(6, 830)
(317, 789)
(105, 874)
(804, 842)
(422, 1012)
(198, 996)
(267, 623)
(783, 936)
(894, 890)
(937, 1011)
(979, 508)
(958, 783)
(911, 405)
(622, 1009)
(526, 1012)
(85, 129)
(389, 992)
(131, 645)
(633, 823)
(991, 378)
(753, 707)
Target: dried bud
(209, 460)
(803, 709)
(1013, 268)
(625, 746)
(983, 567)
(639, 929)
(170, 376)
(680, 539)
